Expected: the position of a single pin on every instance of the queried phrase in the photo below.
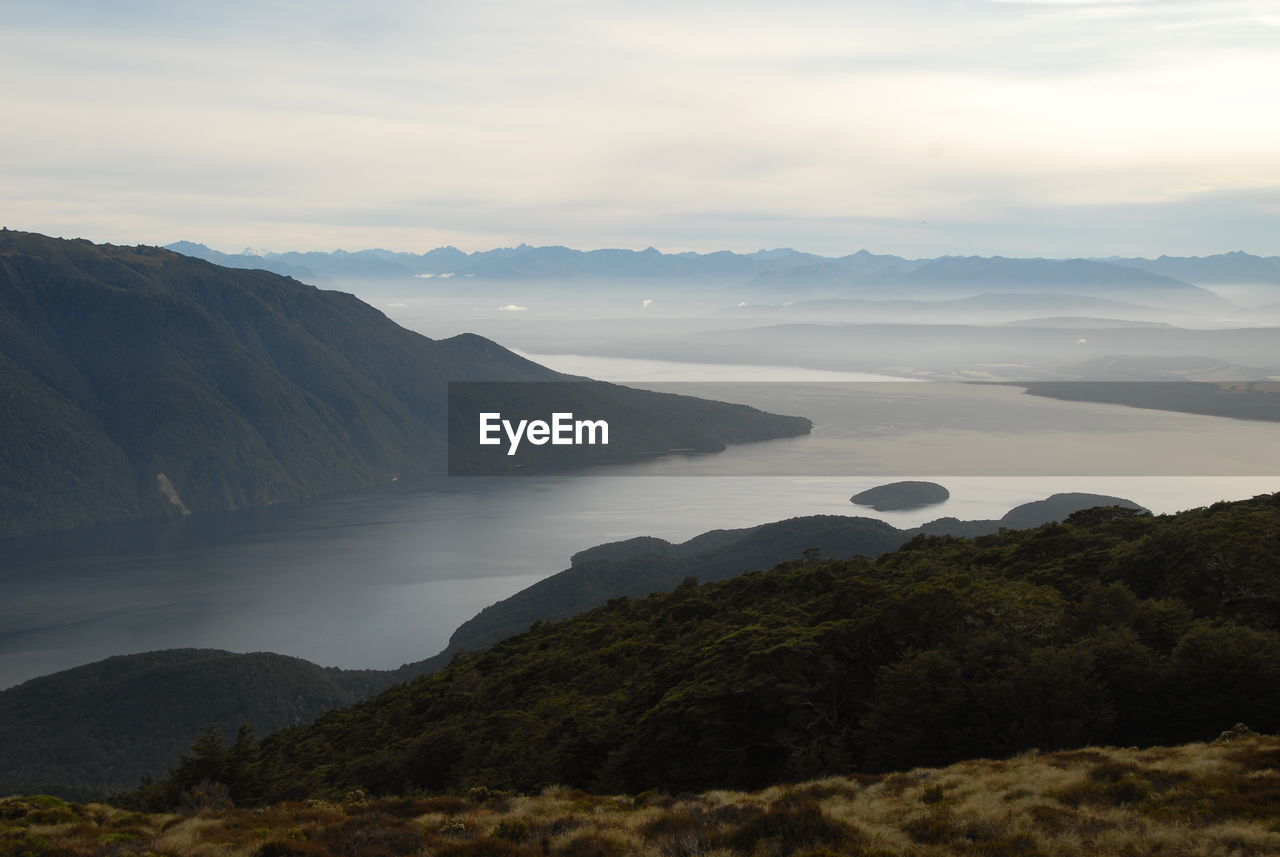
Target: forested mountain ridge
(99, 728)
(1109, 628)
(640, 566)
(139, 382)
(104, 726)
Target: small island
(897, 496)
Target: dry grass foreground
(1219, 799)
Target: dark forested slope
(105, 725)
(139, 382)
(98, 728)
(641, 566)
(1110, 628)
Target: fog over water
(381, 577)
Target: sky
(918, 127)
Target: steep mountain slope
(1110, 628)
(140, 382)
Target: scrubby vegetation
(1112, 628)
(1214, 799)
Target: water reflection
(378, 578)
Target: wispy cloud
(828, 125)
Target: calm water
(378, 578)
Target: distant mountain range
(858, 271)
(1222, 269)
(139, 382)
(100, 727)
(873, 274)
(1078, 276)
(523, 261)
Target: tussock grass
(1220, 799)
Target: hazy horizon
(263, 251)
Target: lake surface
(378, 578)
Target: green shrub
(373, 834)
(931, 828)
(682, 833)
(512, 830)
(791, 825)
(933, 794)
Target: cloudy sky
(921, 127)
